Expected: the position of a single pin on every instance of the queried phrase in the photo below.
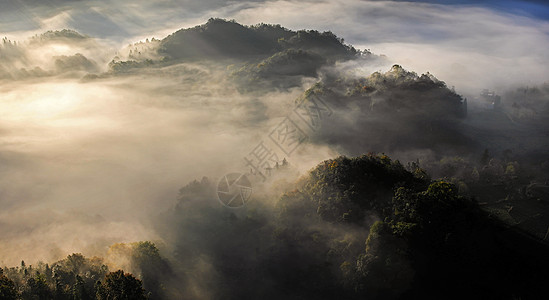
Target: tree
(79, 291)
(153, 269)
(485, 157)
(75, 262)
(384, 270)
(38, 288)
(7, 288)
(120, 286)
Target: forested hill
(219, 38)
(218, 42)
(259, 51)
(354, 228)
(391, 111)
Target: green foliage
(80, 290)
(75, 262)
(405, 93)
(79, 278)
(428, 228)
(384, 270)
(77, 62)
(325, 43)
(346, 188)
(220, 38)
(438, 211)
(344, 192)
(391, 111)
(281, 70)
(120, 286)
(153, 268)
(8, 290)
(51, 35)
(125, 66)
(37, 287)
(71, 278)
(353, 228)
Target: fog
(469, 46)
(86, 163)
(102, 134)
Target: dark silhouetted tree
(120, 286)
(7, 288)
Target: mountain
(397, 110)
(354, 228)
(351, 228)
(261, 57)
(282, 70)
(49, 54)
(219, 39)
(66, 35)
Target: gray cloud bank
(85, 164)
(470, 47)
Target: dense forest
(432, 194)
(78, 277)
(352, 228)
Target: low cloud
(470, 47)
(118, 149)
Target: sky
(533, 8)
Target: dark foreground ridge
(353, 228)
